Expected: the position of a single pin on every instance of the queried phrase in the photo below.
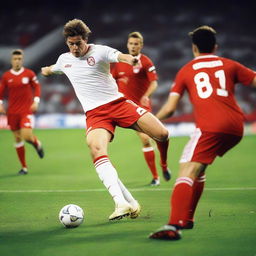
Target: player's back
(210, 81)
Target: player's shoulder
(6, 73)
(28, 72)
(145, 58)
(65, 55)
(230, 61)
(98, 47)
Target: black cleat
(40, 151)
(189, 225)
(23, 172)
(167, 174)
(155, 182)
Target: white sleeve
(111, 54)
(56, 68)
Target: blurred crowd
(164, 26)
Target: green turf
(29, 205)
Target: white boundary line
(132, 189)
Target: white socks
(108, 175)
(127, 195)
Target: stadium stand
(36, 28)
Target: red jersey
(210, 82)
(133, 81)
(22, 87)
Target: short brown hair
(76, 27)
(136, 34)
(204, 38)
(17, 52)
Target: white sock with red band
(108, 175)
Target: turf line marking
(103, 190)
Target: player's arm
(169, 107)
(127, 58)
(35, 104)
(47, 71)
(145, 98)
(254, 82)
(37, 92)
(2, 89)
(2, 109)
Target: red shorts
(18, 121)
(204, 147)
(120, 112)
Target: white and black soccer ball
(71, 216)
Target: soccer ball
(71, 216)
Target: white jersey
(90, 75)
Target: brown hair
(204, 38)
(76, 27)
(17, 52)
(136, 34)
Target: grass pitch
(29, 205)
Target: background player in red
(209, 81)
(138, 83)
(23, 90)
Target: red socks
(198, 188)
(184, 200)
(180, 201)
(149, 156)
(163, 149)
(20, 149)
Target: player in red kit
(23, 92)
(209, 81)
(138, 83)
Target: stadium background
(36, 27)
(30, 204)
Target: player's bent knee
(96, 150)
(164, 136)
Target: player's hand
(34, 106)
(2, 110)
(46, 71)
(135, 61)
(144, 101)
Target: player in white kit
(88, 68)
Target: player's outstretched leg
(108, 175)
(136, 208)
(150, 125)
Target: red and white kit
(133, 81)
(96, 88)
(22, 87)
(210, 82)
